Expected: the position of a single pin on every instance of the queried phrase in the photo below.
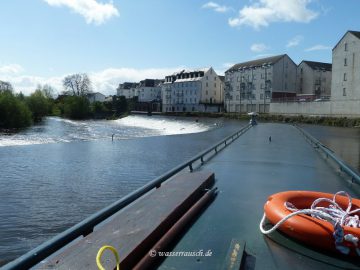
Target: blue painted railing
(330, 154)
(85, 227)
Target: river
(55, 174)
(345, 142)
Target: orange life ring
(312, 231)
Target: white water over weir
(59, 130)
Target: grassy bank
(326, 121)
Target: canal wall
(333, 108)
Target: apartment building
(198, 90)
(314, 78)
(250, 86)
(345, 84)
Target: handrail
(329, 153)
(86, 226)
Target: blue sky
(128, 40)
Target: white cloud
(104, 81)
(216, 7)
(318, 47)
(11, 69)
(258, 47)
(295, 41)
(91, 10)
(263, 12)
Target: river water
(56, 174)
(345, 142)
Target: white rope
(334, 214)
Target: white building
(346, 68)
(93, 97)
(250, 86)
(314, 78)
(128, 90)
(193, 90)
(150, 90)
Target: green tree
(38, 105)
(13, 112)
(76, 107)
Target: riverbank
(317, 120)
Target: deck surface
(246, 173)
(135, 229)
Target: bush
(14, 113)
(38, 105)
(76, 107)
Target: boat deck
(246, 173)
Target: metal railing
(86, 226)
(330, 154)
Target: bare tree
(47, 90)
(77, 84)
(5, 86)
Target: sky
(42, 41)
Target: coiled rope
(334, 214)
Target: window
(207, 85)
(214, 93)
(214, 84)
(206, 92)
(346, 47)
(261, 96)
(238, 79)
(345, 77)
(344, 92)
(207, 77)
(237, 97)
(261, 86)
(215, 78)
(345, 61)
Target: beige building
(250, 86)
(314, 78)
(346, 68)
(193, 90)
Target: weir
(246, 174)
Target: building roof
(190, 71)
(355, 33)
(257, 62)
(222, 78)
(318, 65)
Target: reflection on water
(47, 185)
(345, 142)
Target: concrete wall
(284, 78)
(349, 108)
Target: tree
(76, 107)
(77, 84)
(38, 105)
(13, 112)
(47, 90)
(5, 87)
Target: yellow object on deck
(100, 253)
